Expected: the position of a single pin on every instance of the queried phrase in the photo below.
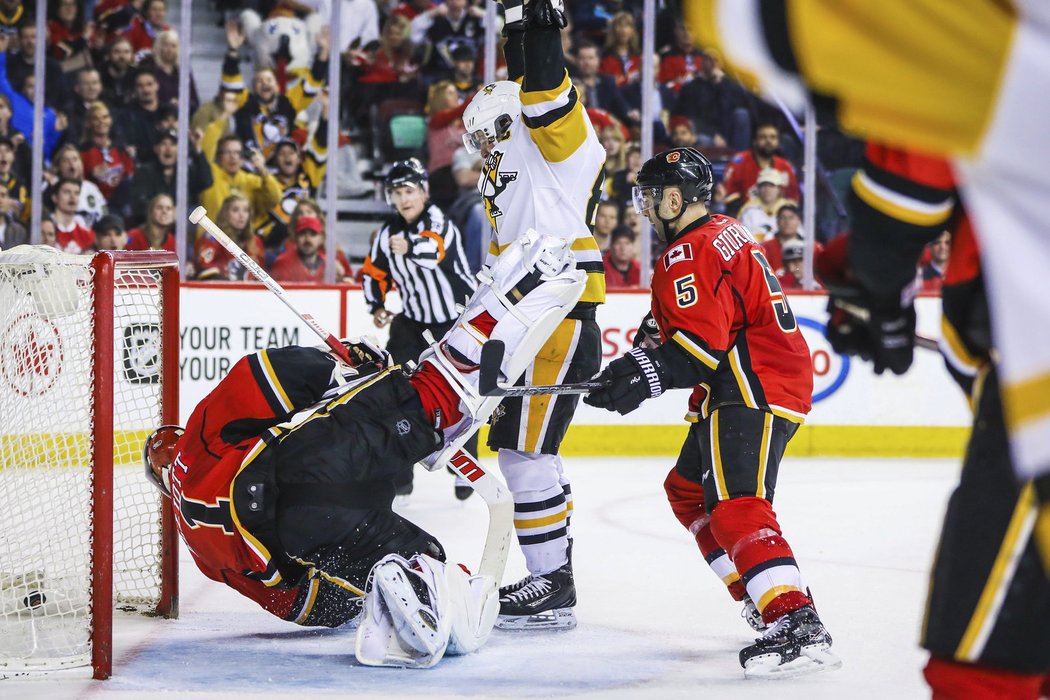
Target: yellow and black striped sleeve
(550, 107)
(315, 155)
(232, 80)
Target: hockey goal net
(88, 368)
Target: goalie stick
(491, 489)
(490, 385)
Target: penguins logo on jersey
(493, 182)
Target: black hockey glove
(545, 13)
(365, 350)
(513, 12)
(629, 380)
(881, 333)
(648, 333)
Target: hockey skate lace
(778, 629)
(533, 589)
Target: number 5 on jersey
(785, 318)
(685, 291)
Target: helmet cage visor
(161, 482)
(646, 198)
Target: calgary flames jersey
(548, 175)
(715, 295)
(222, 436)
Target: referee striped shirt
(433, 277)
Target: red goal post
(88, 367)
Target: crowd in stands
(259, 147)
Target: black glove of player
(366, 350)
(883, 334)
(648, 334)
(629, 380)
(513, 12)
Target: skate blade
(814, 659)
(558, 619)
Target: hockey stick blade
(489, 373)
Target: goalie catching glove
(629, 380)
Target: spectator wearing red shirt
(145, 27)
(71, 236)
(681, 61)
(107, 164)
(410, 9)
(214, 262)
(789, 226)
(742, 171)
(622, 269)
(306, 262)
(622, 60)
(69, 33)
(790, 276)
(157, 233)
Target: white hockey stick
(490, 487)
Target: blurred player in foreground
(282, 481)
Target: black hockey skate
(539, 602)
(797, 643)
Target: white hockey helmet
(491, 113)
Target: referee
(420, 252)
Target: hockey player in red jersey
(727, 331)
(282, 481)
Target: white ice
(654, 622)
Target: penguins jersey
(548, 176)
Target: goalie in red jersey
(722, 325)
(282, 481)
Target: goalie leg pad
(474, 605)
(531, 289)
(406, 621)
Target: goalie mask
(685, 168)
(158, 453)
(491, 113)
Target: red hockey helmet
(158, 453)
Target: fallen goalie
(281, 480)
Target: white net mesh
(46, 424)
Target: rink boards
(854, 413)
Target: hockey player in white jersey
(543, 170)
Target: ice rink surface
(654, 622)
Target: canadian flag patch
(682, 251)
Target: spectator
(228, 176)
(940, 249)
(158, 176)
(69, 34)
(113, 17)
(789, 228)
(468, 210)
(718, 106)
(107, 163)
(759, 213)
(599, 91)
(410, 9)
(12, 232)
(743, 169)
(67, 163)
(23, 156)
(683, 133)
(140, 116)
(299, 175)
(145, 27)
(214, 262)
(12, 15)
(606, 219)
(389, 69)
(48, 233)
(118, 73)
(444, 136)
(16, 205)
(444, 27)
(622, 59)
(110, 233)
(634, 92)
(306, 261)
(21, 62)
(615, 143)
(464, 74)
(158, 231)
(22, 106)
(790, 276)
(225, 104)
(165, 64)
(622, 182)
(622, 269)
(681, 61)
(71, 235)
(87, 92)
